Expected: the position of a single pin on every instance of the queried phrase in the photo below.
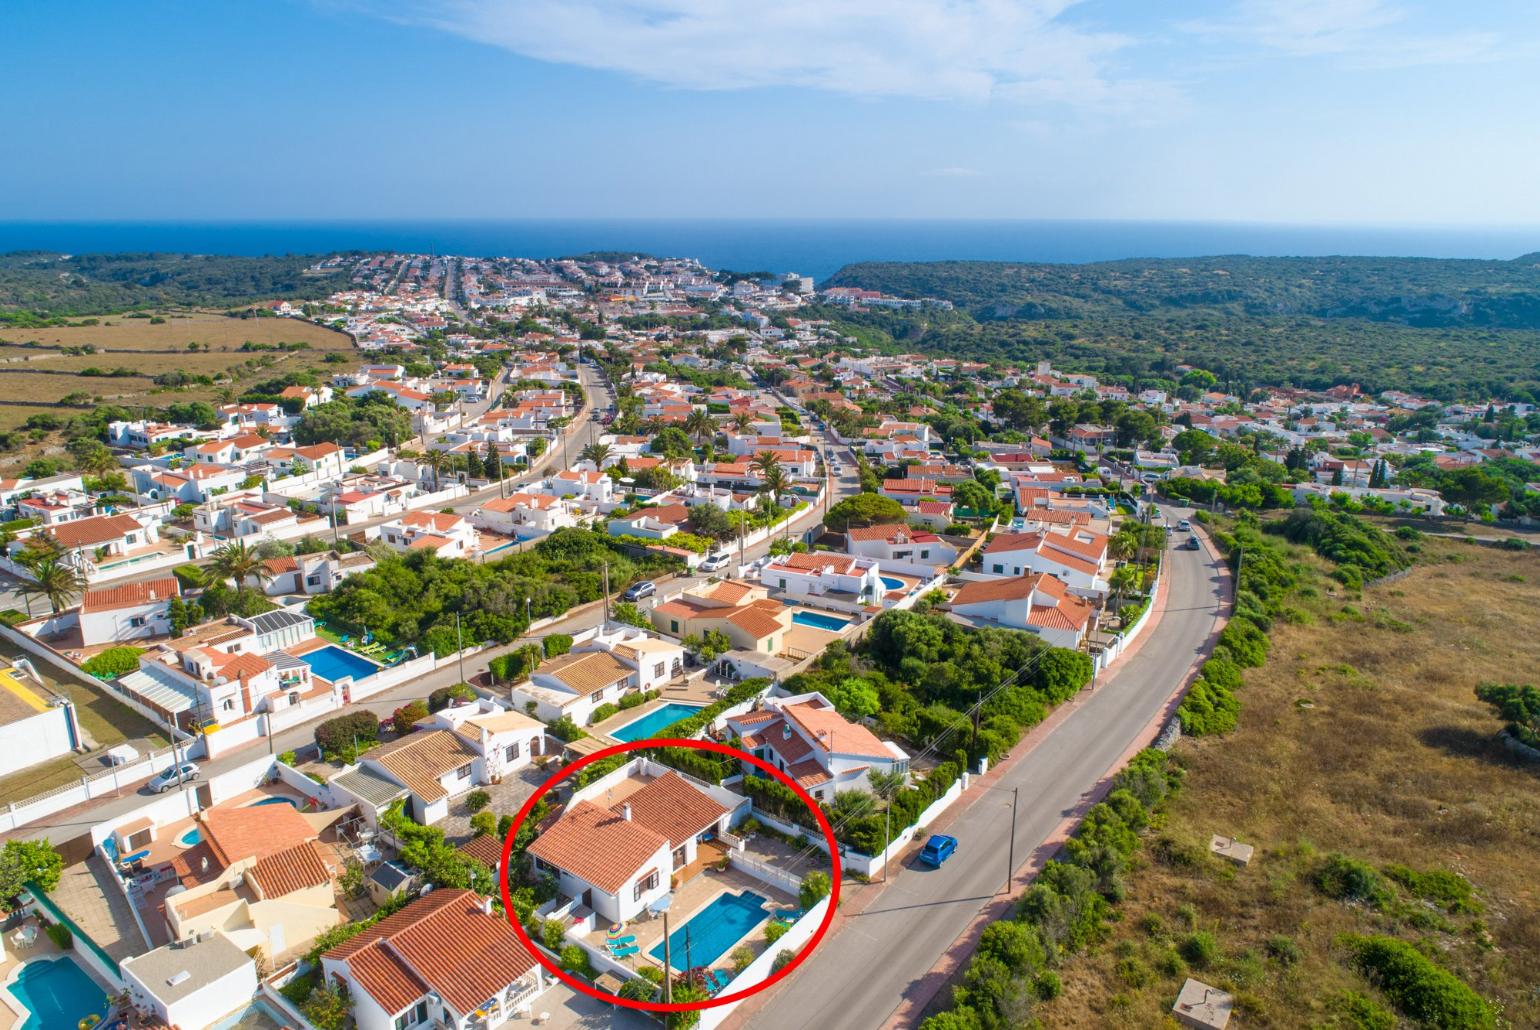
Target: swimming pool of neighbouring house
(334, 663)
(891, 583)
(709, 933)
(818, 620)
(658, 719)
(57, 993)
(191, 837)
(291, 802)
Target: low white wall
(759, 970)
(37, 738)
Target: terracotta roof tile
(129, 595)
(669, 805)
(597, 845)
(292, 869)
(419, 759)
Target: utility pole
(460, 647)
(1009, 873)
(668, 969)
(607, 598)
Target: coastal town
(281, 671)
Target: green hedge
(113, 662)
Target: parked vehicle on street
(1185, 525)
(164, 781)
(938, 849)
(637, 591)
(715, 562)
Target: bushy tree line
(413, 598)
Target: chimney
(486, 906)
(625, 812)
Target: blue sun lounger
(626, 952)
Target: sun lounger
(626, 952)
(621, 942)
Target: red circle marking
(576, 983)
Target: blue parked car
(938, 849)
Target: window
(511, 752)
(999, 568)
(313, 581)
(412, 1016)
(293, 697)
(673, 625)
(658, 669)
(229, 705)
(136, 621)
(464, 772)
(645, 885)
(925, 553)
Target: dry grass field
(35, 372)
(1361, 735)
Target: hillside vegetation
(1448, 329)
(36, 286)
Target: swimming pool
(191, 837)
(818, 620)
(274, 801)
(655, 720)
(57, 993)
(710, 932)
(891, 583)
(333, 663)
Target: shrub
(1419, 988)
(60, 935)
(1208, 708)
(637, 990)
(346, 734)
(815, 887)
(408, 715)
(575, 960)
(1284, 949)
(288, 757)
(553, 934)
(1451, 890)
(603, 712)
(476, 800)
(742, 956)
(327, 1007)
(443, 697)
(775, 931)
(564, 729)
(782, 960)
(557, 644)
(1348, 879)
(114, 662)
(1361, 1012)
(484, 823)
(1200, 949)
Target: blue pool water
(713, 930)
(274, 801)
(191, 837)
(818, 620)
(333, 663)
(58, 994)
(653, 721)
(891, 583)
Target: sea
(815, 248)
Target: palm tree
(597, 453)
(776, 483)
(1125, 578)
(742, 421)
(437, 461)
(237, 562)
(55, 581)
(700, 425)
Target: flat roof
(180, 970)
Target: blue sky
(1314, 111)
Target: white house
(1037, 603)
(1077, 557)
(804, 737)
(573, 685)
(820, 574)
(894, 545)
(190, 983)
(129, 611)
(524, 516)
(445, 534)
(445, 960)
(617, 859)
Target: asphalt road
(878, 957)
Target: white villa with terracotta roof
(804, 737)
(820, 574)
(743, 611)
(1078, 557)
(445, 960)
(1038, 603)
(129, 611)
(894, 545)
(619, 843)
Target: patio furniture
(25, 936)
(626, 952)
(621, 942)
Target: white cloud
(1020, 50)
(1362, 33)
